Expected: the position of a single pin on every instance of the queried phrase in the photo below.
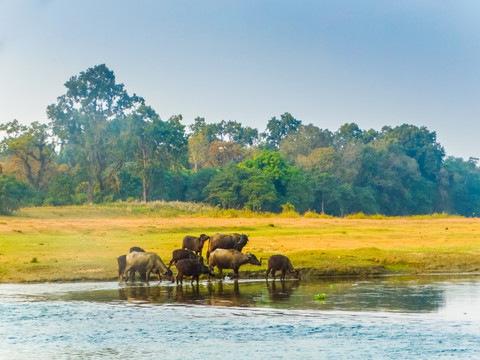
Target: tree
(31, 150)
(222, 153)
(12, 193)
(419, 144)
(197, 150)
(153, 143)
(237, 187)
(304, 141)
(277, 129)
(232, 131)
(209, 131)
(81, 119)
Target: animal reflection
(283, 291)
(149, 294)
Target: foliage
(105, 145)
(12, 194)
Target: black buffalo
(223, 241)
(181, 254)
(194, 244)
(283, 264)
(191, 267)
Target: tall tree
(304, 141)
(81, 118)
(197, 150)
(420, 144)
(154, 143)
(277, 129)
(30, 148)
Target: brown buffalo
(147, 262)
(122, 264)
(231, 259)
(193, 268)
(180, 254)
(223, 241)
(194, 244)
(283, 264)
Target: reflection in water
(350, 295)
(282, 292)
(394, 318)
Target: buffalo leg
(126, 272)
(273, 274)
(268, 271)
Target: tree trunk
(144, 180)
(90, 191)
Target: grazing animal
(122, 264)
(194, 244)
(193, 268)
(147, 262)
(281, 263)
(222, 241)
(180, 254)
(231, 259)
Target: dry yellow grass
(80, 247)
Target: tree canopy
(104, 144)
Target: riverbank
(55, 244)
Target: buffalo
(194, 244)
(231, 259)
(122, 264)
(193, 268)
(147, 262)
(180, 254)
(222, 241)
(283, 264)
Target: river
(422, 317)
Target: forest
(103, 144)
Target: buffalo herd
(223, 252)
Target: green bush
(12, 194)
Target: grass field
(82, 243)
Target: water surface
(385, 318)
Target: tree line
(103, 144)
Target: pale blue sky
(373, 62)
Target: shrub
(12, 193)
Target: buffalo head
(252, 259)
(296, 274)
(204, 237)
(169, 275)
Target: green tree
(237, 187)
(277, 129)
(31, 150)
(82, 118)
(12, 194)
(420, 144)
(153, 143)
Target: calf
(281, 263)
(191, 267)
(180, 254)
(194, 244)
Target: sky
(371, 62)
